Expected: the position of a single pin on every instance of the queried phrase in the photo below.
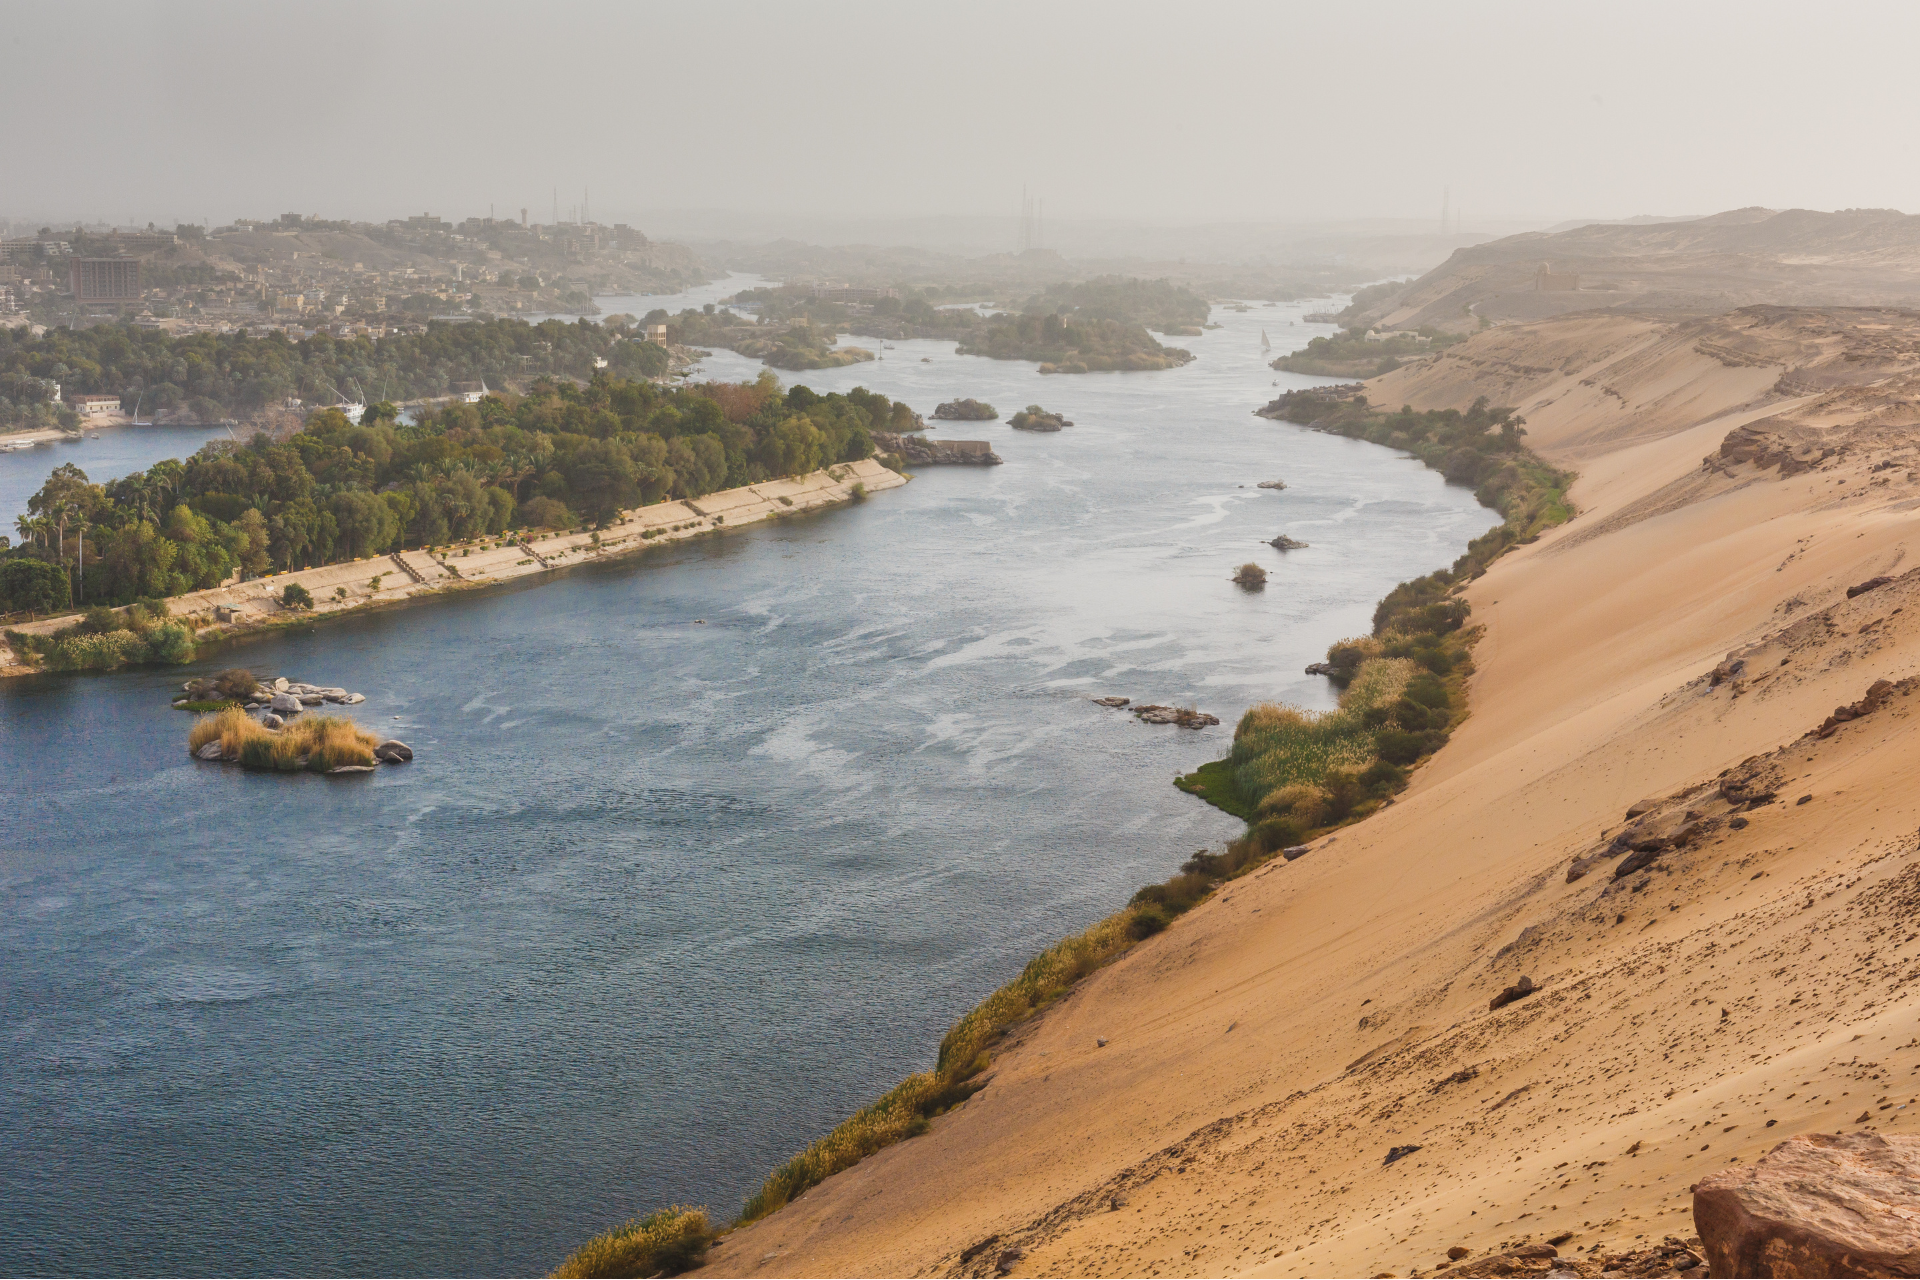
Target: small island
(1034, 418)
(968, 410)
(801, 347)
(1250, 576)
(313, 744)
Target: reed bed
(315, 743)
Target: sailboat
(1265, 346)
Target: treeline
(561, 456)
(214, 375)
(1092, 325)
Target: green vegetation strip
(1292, 774)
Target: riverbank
(256, 605)
(1303, 1075)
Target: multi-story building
(89, 405)
(105, 279)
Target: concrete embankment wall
(405, 574)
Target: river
(700, 852)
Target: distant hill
(1744, 257)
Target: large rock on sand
(1818, 1204)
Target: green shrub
(170, 642)
(296, 596)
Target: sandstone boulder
(1818, 1204)
(1518, 991)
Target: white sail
(1264, 344)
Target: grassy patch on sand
(664, 1243)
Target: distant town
(302, 275)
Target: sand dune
(1683, 639)
(1801, 257)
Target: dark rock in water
(1399, 1153)
(1284, 543)
(1185, 717)
(1818, 1204)
(1518, 991)
(1112, 702)
(1271, 484)
(1321, 669)
(393, 751)
(921, 452)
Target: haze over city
(1227, 111)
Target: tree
(32, 585)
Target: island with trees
(1093, 325)
(968, 410)
(561, 457)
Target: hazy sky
(1172, 111)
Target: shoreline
(228, 613)
(1342, 1054)
(969, 1053)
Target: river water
(700, 852)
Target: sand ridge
(1269, 1052)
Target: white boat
(1264, 344)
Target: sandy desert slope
(1753, 972)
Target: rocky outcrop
(1877, 694)
(1034, 418)
(1816, 1205)
(284, 697)
(393, 751)
(1518, 991)
(1284, 543)
(1185, 717)
(1871, 584)
(920, 452)
(968, 410)
(1271, 484)
(1112, 702)
(1766, 448)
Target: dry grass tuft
(664, 1243)
(316, 743)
